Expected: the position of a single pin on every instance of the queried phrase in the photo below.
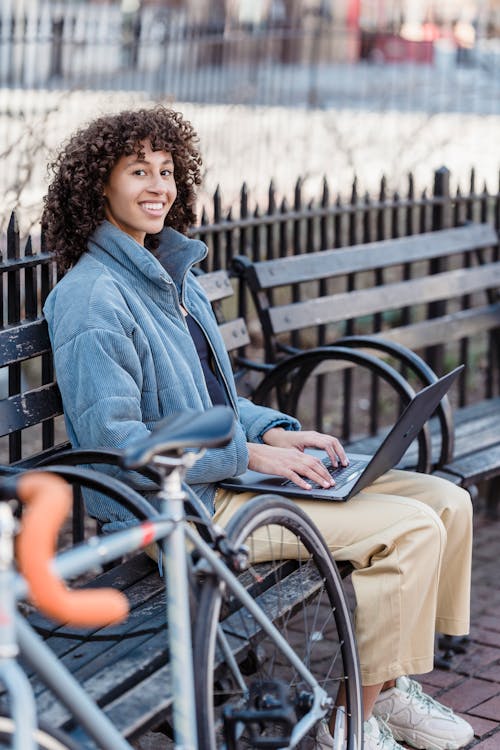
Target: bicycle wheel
(299, 588)
(47, 739)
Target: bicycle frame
(171, 530)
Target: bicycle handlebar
(48, 499)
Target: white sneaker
(377, 736)
(419, 720)
(323, 739)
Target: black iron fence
(279, 229)
(274, 230)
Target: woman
(130, 328)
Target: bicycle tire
(47, 738)
(325, 643)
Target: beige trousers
(409, 537)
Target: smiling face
(140, 192)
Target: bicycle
(252, 689)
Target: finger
(317, 472)
(337, 453)
(298, 480)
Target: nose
(157, 184)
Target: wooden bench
(135, 661)
(435, 293)
(125, 668)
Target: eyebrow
(145, 161)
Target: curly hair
(74, 204)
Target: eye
(166, 172)
(139, 172)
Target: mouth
(153, 208)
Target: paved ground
(472, 685)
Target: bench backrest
(26, 410)
(217, 286)
(318, 289)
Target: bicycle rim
(47, 739)
(318, 627)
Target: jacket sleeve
(256, 420)
(100, 377)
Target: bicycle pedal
(268, 719)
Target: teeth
(153, 206)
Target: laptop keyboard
(340, 474)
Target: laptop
(363, 469)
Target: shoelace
(415, 691)
(385, 733)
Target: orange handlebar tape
(48, 499)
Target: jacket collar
(175, 256)
(177, 253)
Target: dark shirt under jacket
(215, 389)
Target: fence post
(442, 218)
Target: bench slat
(451, 327)
(216, 285)
(235, 334)
(141, 707)
(381, 254)
(29, 408)
(334, 308)
(477, 466)
(24, 341)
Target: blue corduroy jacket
(124, 357)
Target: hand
(290, 463)
(302, 439)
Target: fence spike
(271, 198)
(354, 191)
(411, 186)
(217, 204)
(472, 180)
(325, 196)
(13, 225)
(383, 188)
(244, 201)
(13, 242)
(298, 193)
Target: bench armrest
(426, 375)
(289, 377)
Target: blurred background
(277, 89)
